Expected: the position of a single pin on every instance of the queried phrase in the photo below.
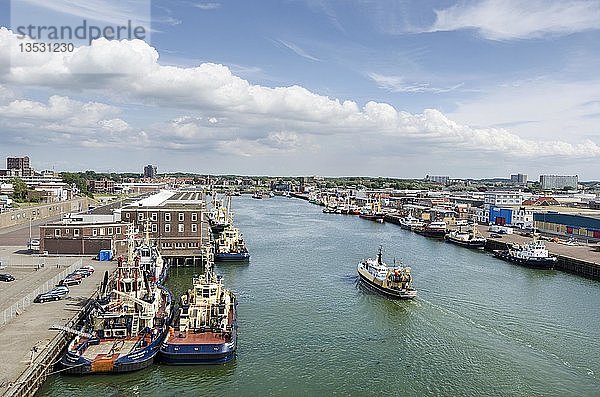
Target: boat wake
(493, 330)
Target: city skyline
(477, 89)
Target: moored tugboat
(391, 281)
(230, 246)
(126, 325)
(433, 229)
(469, 239)
(205, 331)
(533, 254)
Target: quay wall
(565, 263)
(22, 216)
(36, 374)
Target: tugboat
(469, 239)
(230, 246)
(126, 325)
(394, 282)
(533, 254)
(205, 331)
(219, 217)
(409, 222)
(432, 229)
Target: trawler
(205, 331)
(392, 281)
(533, 254)
(230, 246)
(470, 239)
(127, 322)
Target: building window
(118, 230)
(76, 232)
(194, 217)
(110, 231)
(194, 228)
(180, 228)
(154, 217)
(127, 215)
(154, 228)
(94, 232)
(167, 216)
(181, 217)
(66, 231)
(102, 231)
(167, 228)
(193, 245)
(57, 232)
(140, 216)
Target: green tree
(19, 190)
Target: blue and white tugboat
(533, 254)
(127, 323)
(391, 281)
(205, 331)
(230, 246)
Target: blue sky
(474, 88)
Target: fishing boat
(391, 281)
(533, 254)
(470, 238)
(230, 246)
(409, 222)
(127, 322)
(205, 330)
(373, 212)
(432, 229)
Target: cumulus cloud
(515, 19)
(250, 118)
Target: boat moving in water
(126, 324)
(391, 281)
(533, 254)
(205, 331)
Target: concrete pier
(30, 349)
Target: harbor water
(479, 326)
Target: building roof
(588, 222)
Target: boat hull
(535, 263)
(79, 365)
(468, 243)
(394, 294)
(374, 218)
(192, 354)
(232, 257)
(431, 232)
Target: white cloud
(516, 19)
(207, 6)
(297, 50)
(260, 119)
(399, 84)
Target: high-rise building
(438, 179)
(20, 164)
(549, 182)
(150, 171)
(520, 179)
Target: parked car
(89, 268)
(495, 235)
(69, 281)
(59, 290)
(47, 297)
(83, 272)
(6, 277)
